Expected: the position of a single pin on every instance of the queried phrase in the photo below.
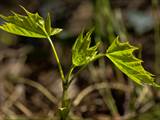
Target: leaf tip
(27, 12)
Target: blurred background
(30, 85)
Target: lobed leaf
(82, 53)
(121, 54)
(31, 25)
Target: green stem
(68, 77)
(76, 74)
(66, 103)
(57, 58)
(84, 66)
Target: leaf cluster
(121, 54)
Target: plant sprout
(121, 54)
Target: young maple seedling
(121, 54)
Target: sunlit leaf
(82, 53)
(121, 54)
(31, 25)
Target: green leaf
(82, 53)
(31, 25)
(121, 54)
